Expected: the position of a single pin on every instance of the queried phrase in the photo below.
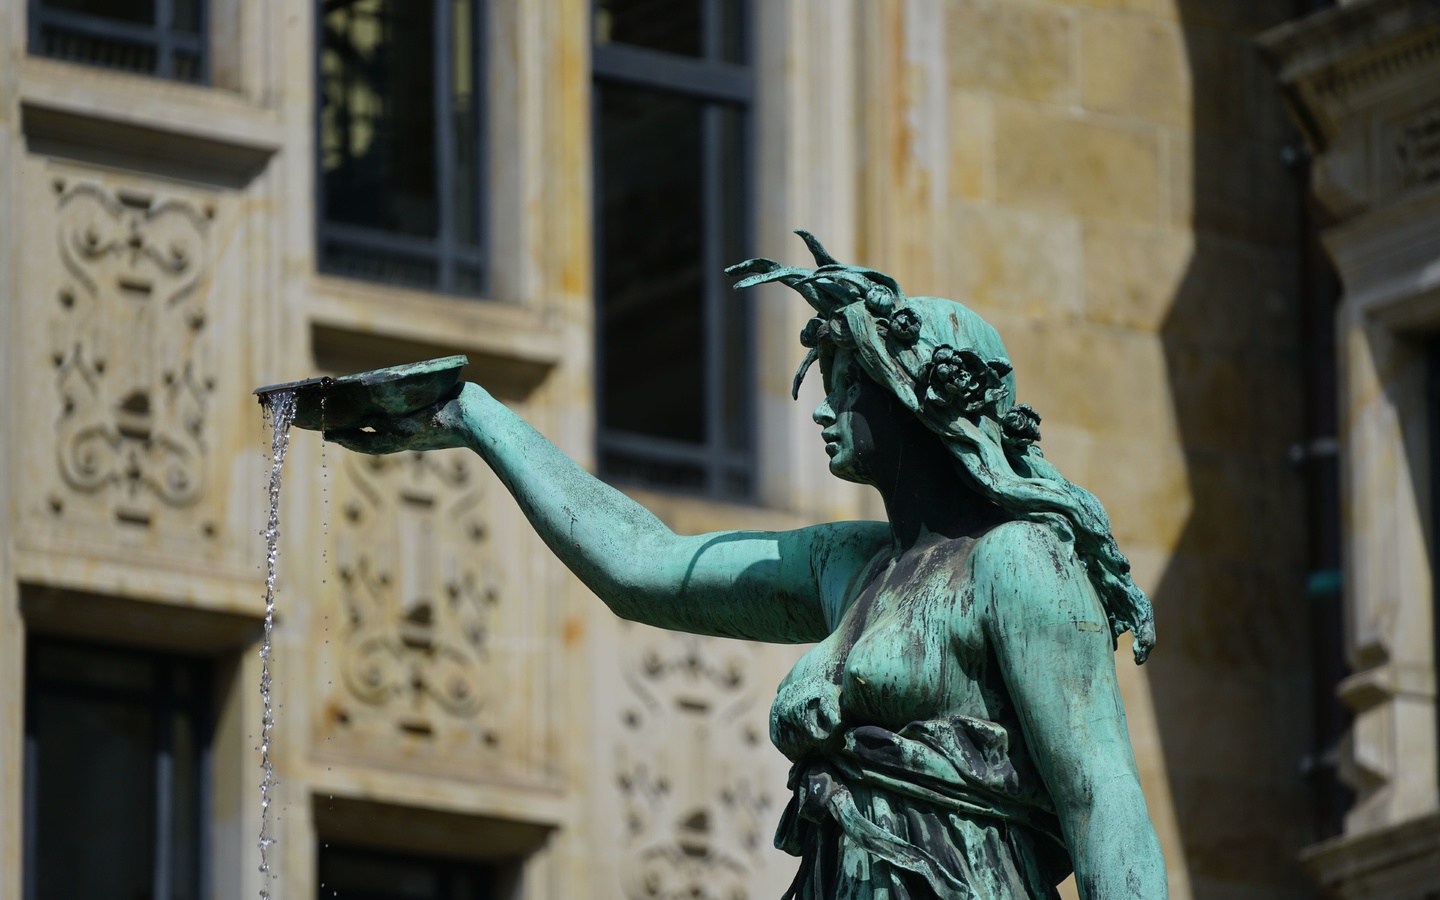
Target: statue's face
(857, 420)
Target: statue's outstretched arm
(1053, 643)
(763, 586)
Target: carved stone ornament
(127, 344)
(419, 596)
(696, 801)
(1417, 147)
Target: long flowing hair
(949, 367)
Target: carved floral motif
(127, 344)
(418, 594)
(694, 798)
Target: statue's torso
(901, 716)
(910, 645)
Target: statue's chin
(841, 467)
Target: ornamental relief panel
(129, 353)
(410, 659)
(695, 771)
(1416, 144)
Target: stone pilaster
(1363, 83)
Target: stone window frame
(511, 849)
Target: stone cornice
(1399, 861)
(143, 124)
(1331, 62)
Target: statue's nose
(824, 414)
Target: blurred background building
(201, 196)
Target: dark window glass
(114, 768)
(673, 208)
(140, 12)
(732, 216)
(363, 874)
(645, 468)
(731, 29)
(652, 230)
(95, 825)
(464, 110)
(401, 167)
(153, 37)
(673, 26)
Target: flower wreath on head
(953, 382)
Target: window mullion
(479, 12)
(711, 255)
(444, 99)
(600, 292)
(710, 31)
(205, 717)
(31, 812)
(164, 30)
(203, 69)
(749, 231)
(164, 783)
(33, 26)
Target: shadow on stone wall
(1232, 678)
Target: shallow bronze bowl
(351, 401)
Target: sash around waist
(957, 765)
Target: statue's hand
(437, 427)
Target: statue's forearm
(753, 585)
(1116, 851)
(595, 530)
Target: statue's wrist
(471, 407)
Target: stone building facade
(1101, 179)
(1363, 82)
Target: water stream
(279, 409)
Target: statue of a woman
(957, 730)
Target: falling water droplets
(280, 413)
(324, 495)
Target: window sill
(357, 325)
(144, 123)
(76, 568)
(693, 514)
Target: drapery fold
(934, 810)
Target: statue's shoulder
(1022, 536)
(1021, 552)
(1033, 577)
(856, 538)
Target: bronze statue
(957, 730)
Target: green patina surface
(957, 729)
